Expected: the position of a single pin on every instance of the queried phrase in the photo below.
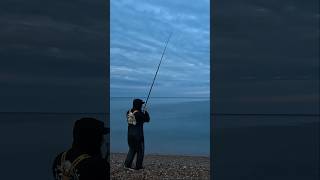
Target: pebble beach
(158, 167)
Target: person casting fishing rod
(136, 117)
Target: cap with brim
(88, 125)
(140, 101)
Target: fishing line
(154, 78)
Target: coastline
(162, 167)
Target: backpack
(131, 119)
(68, 169)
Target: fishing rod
(154, 78)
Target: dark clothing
(137, 130)
(88, 136)
(136, 139)
(87, 139)
(136, 147)
(95, 167)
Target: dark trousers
(136, 147)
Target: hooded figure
(84, 160)
(136, 118)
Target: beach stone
(159, 167)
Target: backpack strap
(131, 117)
(63, 157)
(69, 171)
(79, 159)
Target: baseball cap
(138, 101)
(89, 125)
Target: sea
(178, 126)
(251, 146)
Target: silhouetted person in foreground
(136, 118)
(84, 160)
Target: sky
(139, 30)
(265, 54)
(53, 56)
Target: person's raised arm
(146, 116)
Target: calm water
(182, 126)
(177, 126)
(272, 147)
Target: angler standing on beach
(136, 118)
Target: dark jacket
(141, 118)
(94, 167)
(87, 139)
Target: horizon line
(161, 97)
(214, 114)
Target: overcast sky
(266, 56)
(53, 53)
(138, 32)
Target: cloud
(266, 39)
(138, 32)
(53, 52)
